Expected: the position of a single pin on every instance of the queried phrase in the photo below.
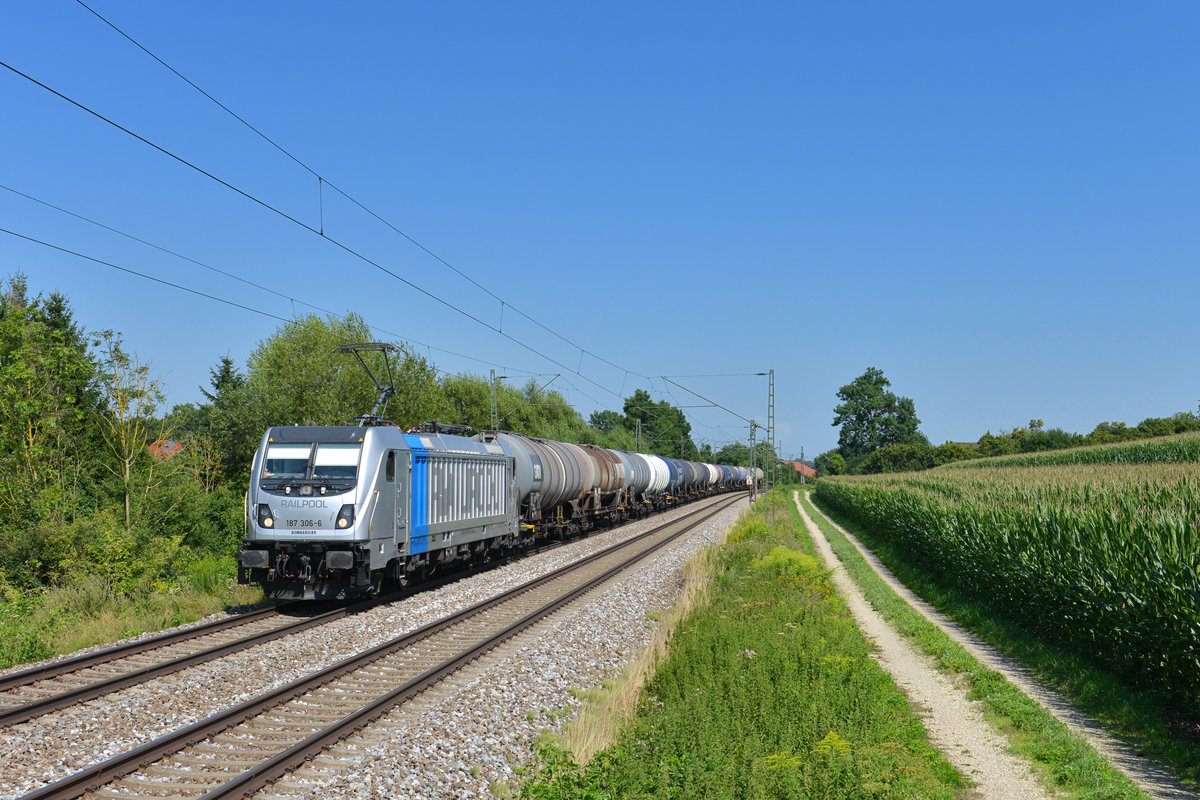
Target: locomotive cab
(319, 498)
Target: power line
(309, 228)
(718, 375)
(161, 249)
(324, 181)
(268, 289)
(143, 275)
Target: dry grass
(601, 719)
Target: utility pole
(803, 478)
(638, 445)
(495, 405)
(493, 385)
(771, 442)
(753, 479)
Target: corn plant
(1101, 558)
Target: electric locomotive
(335, 511)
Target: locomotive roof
(326, 434)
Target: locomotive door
(403, 467)
(383, 522)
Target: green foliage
(872, 417)
(738, 454)
(1168, 450)
(20, 642)
(49, 397)
(1066, 761)
(1099, 559)
(665, 429)
(783, 562)
(898, 458)
(606, 421)
(295, 377)
(769, 691)
(1036, 438)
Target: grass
(765, 689)
(89, 611)
(1065, 761)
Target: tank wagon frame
(337, 511)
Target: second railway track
(240, 750)
(30, 693)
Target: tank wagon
(336, 511)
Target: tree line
(880, 433)
(97, 477)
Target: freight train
(338, 511)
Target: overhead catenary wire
(189, 259)
(142, 275)
(649, 409)
(322, 181)
(308, 227)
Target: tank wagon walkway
(956, 725)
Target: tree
(735, 455)
(665, 429)
(295, 377)
(605, 421)
(899, 458)
(128, 424)
(872, 417)
(48, 400)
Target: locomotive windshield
(287, 461)
(336, 462)
(312, 462)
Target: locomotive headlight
(265, 518)
(345, 517)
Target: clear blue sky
(995, 204)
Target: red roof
(802, 468)
(165, 448)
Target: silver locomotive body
(334, 511)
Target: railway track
(30, 693)
(245, 748)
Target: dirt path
(956, 725)
(947, 730)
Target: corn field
(1163, 450)
(1099, 557)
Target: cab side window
(390, 469)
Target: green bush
(20, 643)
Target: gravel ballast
(459, 743)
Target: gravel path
(955, 724)
(1151, 777)
(442, 748)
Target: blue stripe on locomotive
(419, 519)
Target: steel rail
(15, 680)
(264, 774)
(24, 713)
(84, 781)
